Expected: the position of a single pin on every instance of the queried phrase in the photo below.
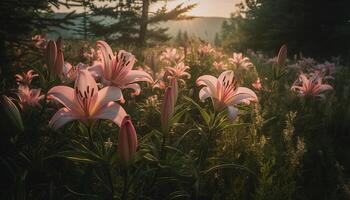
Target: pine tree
(162, 15)
(185, 37)
(179, 38)
(217, 40)
(316, 28)
(118, 21)
(83, 28)
(20, 20)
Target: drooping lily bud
(12, 112)
(51, 54)
(282, 55)
(127, 141)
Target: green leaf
(12, 112)
(177, 116)
(225, 166)
(150, 157)
(178, 195)
(204, 114)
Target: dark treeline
(316, 28)
(21, 20)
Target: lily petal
(208, 81)
(106, 95)
(112, 111)
(86, 90)
(61, 117)
(232, 113)
(106, 56)
(65, 96)
(204, 93)
(136, 76)
(244, 95)
(134, 86)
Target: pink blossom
(311, 86)
(206, 49)
(39, 41)
(26, 77)
(70, 72)
(178, 72)
(224, 92)
(219, 65)
(257, 84)
(91, 56)
(240, 62)
(117, 69)
(27, 96)
(85, 102)
(171, 56)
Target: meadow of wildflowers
(190, 122)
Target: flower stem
(91, 131)
(161, 157)
(126, 186)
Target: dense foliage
(290, 141)
(315, 28)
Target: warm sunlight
(211, 8)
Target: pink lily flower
(91, 56)
(178, 71)
(240, 62)
(206, 49)
(27, 96)
(39, 41)
(127, 141)
(325, 70)
(26, 77)
(311, 86)
(170, 55)
(117, 69)
(70, 72)
(85, 102)
(224, 92)
(257, 84)
(219, 65)
(54, 57)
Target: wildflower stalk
(90, 133)
(125, 183)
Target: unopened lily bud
(127, 141)
(59, 64)
(174, 84)
(169, 102)
(51, 54)
(282, 55)
(12, 112)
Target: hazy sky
(212, 8)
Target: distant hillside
(203, 27)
